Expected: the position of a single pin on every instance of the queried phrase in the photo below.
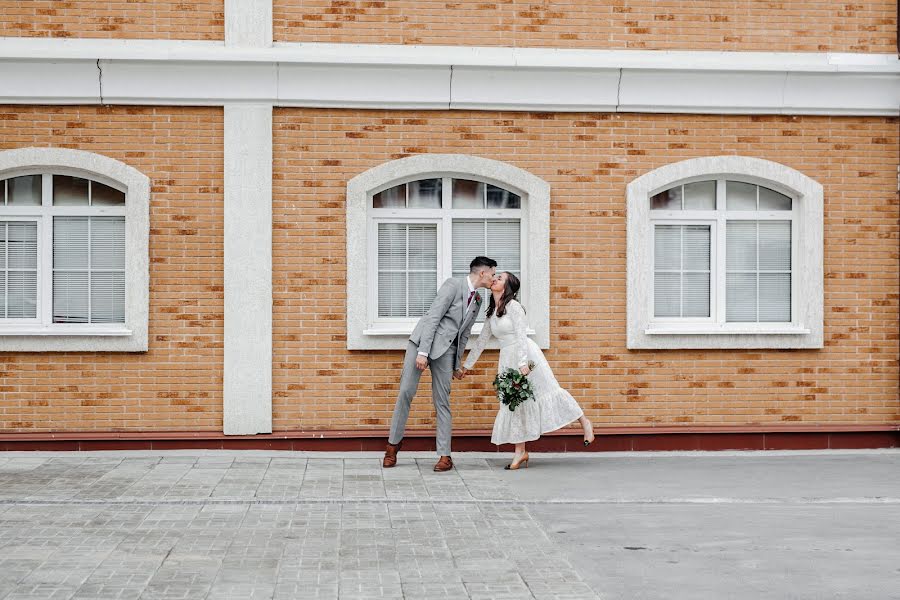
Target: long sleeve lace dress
(552, 407)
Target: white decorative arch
(536, 196)
(136, 186)
(806, 330)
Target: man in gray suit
(438, 341)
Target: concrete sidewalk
(220, 524)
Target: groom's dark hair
(481, 262)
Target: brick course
(138, 19)
(177, 384)
(588, 160)
(807, 26)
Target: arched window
(725, 252)
(414, 222)
(73, 252)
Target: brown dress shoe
(444, 464)
(390, 456)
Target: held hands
(524, 370)
(421, 362)
(460, 373)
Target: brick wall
(141, 19)
(177, 384)
(756, 25)
(588, 160)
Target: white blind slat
(681, 279)
(740, 246)
(19, 269)
(774, 245)
(774, 297)
(407, 269)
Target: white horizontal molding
(67, 71)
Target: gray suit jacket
(447, 320)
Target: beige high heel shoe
(514, 466)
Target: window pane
(740, 291)
(108, 297)
(21, 245)
(391, 246)
(775, 245)
(70, 297)
(391, 294)
(407, 268)
(108, 243)
(667, 295)
(103, 195)
(24, 191)
(695, 294)
(394, 197)
(696, 247)
(70, 242)
(425, 193)
(700, 195)
(21, 301)
(69, 191)
(503, 244)
(468, 194)
(667, 248)
(667, 200)
(740, 196)
(422, 247)
(772, 200)
(500, 198)
(775, 297)
(469, 241)
(740, 246)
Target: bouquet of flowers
(513, 388)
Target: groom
(438, 341)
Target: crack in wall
(100, 80)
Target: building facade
(221, 219)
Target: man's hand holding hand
(421, 362)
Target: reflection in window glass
(700, 195)
(740, 196)
(103, 195)
(500, 198)
(667, 200)
(425, 193)
(468, 194)
(70, 191)
(24, 191)
(394, 197)
(772, 200)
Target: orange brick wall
(588, 160)
(141, 19)
(785, 26)
(177, 384)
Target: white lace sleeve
(520, 326)
(480, 344)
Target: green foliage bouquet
(513, 388)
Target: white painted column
(247, 382)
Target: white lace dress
(552, 407)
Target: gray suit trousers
(441, 374)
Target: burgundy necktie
(470, 298)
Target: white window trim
(55, 337)
(363, 332)
(806, 328)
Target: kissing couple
(438, 343)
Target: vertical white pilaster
(247, 384)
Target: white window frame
(364, 329)
(805, 330)
(41, 334)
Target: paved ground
(249, 525)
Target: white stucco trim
(807, 329)
(132, 336)
(247, 379)
(248, 23)
(246, 69)
(536, 196)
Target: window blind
(18, 259)
(499, 239)
(407, 268)
(88, 270)
(758, 271)
(681, 272)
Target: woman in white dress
(552, 407)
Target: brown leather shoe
(444, 464)
(390, 456)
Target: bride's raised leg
(520, 458)
(588, 430)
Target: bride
(552, 407)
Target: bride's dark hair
(509, 293)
